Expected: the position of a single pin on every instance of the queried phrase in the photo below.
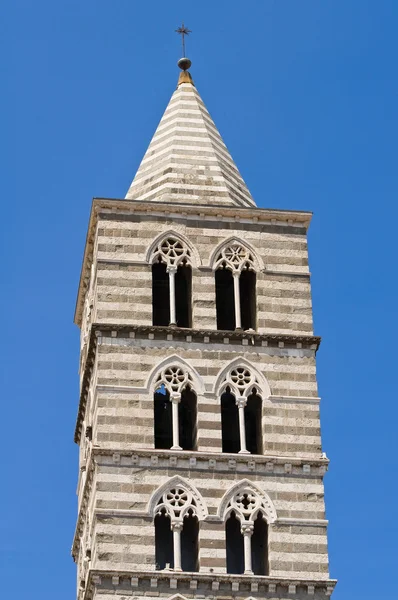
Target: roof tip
(185, 77)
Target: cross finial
(183, 31)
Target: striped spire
(187, 160)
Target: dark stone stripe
(232, 225)
(298, 449)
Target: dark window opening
(225, 300)
(160, 294)
(183, 287)
(234, 542)
(260, 546)
(247, 289)
(253, 427)
(189, 544)
(163, 419)
(164, 554)
(229, 423)
(187, 416)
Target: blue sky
(305, 96)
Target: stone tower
(201, 468)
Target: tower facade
(201, 468)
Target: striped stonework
(187, 160)
(123, 277)
(189, 190)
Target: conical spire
(187, 160)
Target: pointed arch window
(235, 288)
(246, 530)
(171, 283)
(177, 530)
(241, 412)
(175, 410)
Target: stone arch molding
(236, 253)
(241, 376)
(177, 497)
(247, 500)
(173, 254)
(186, 373)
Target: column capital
(247, 528)
(175, 397)
(236, 274)
(241, 401)
(171, 269)
(177, 525)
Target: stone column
(238, 322)
(241, 403)
(172, 273)
(247, 531)
(176, 527)
(175, 399)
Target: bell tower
(201, 468)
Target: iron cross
(183, 31)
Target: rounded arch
(241, 494)
(194, 257)
(175, 361)
(193, 501)
(257, 380)
(258, 263)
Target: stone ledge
(204, 585)
(206, 336)
(265, 464)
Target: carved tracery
(175, 379)
(235, 257)
(241, 381)
(172, 252)
(176, 503)
(247, 501)
(175, 383)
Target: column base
(176, 448)
(244, 452)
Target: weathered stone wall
(120, 469)
(127, 541)
(123, 274)
(123, 410)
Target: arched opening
(183, 291)
(234, 543)
(160, 294)
(225, 300)
(163, 419)
(229, 423)
(259, 543)
(164, 554)
(247, 290)
(253, 428)
(187, 417)
(189, 543)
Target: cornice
(205, 336)
(210, 584)
(266, 465)
(284, 218)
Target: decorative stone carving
(177, 498)
(241, 381)
(172, 252)
(235, 257)
(177, 503)
(246, 500)
(175, 379)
